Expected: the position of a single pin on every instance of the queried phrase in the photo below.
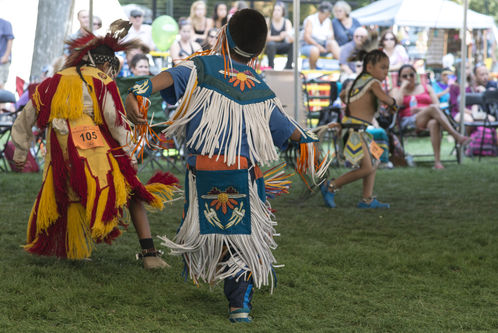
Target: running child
(360, 150)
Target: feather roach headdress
(94, 50)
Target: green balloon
(164, 31)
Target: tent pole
(297, 86)
(463, 75)
(90, 19)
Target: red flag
(19, 85)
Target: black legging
(273, 48)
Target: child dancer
(89, 177)
(232, 122)
(360, 149)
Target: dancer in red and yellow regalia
(89, 178)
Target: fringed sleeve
(22, 133)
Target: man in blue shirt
(6, 38)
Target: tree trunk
(52, 27)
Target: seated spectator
(210, 42)
(394, 50)
(139, 65)
(343, 24)
(220, 15)
(130, 53)
(442, 86)
(200, 23)
(318, 37)
(482, 81)
(280, 38)
(471, 112)
(184, 47)
(349, 49)
(420, 111)
(238, 5)
(139, 30)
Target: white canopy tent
(442, 14)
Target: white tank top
(320, 31)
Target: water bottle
(413, 102)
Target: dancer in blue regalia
(231, 121)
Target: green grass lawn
(429, 264)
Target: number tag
(86, 137)
(376, 150)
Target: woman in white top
(395, 51)
(318, 37)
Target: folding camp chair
(488, 102)
(6, 121)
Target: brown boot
(151, 259)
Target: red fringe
(32, 230)
(47, 90)
(115, 233)
(77, 176)
(31, 89)
(110, 210)
(125, 165)
(112, 88)
(59, 172)
(53, 241)
(165, 178)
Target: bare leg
(334, 48)
(433, 112)
(365, 170)
(368, 184)
(139, 218)
(314, 54)
(435, 132)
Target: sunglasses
(406, 76)
(135, 16)
(388, 38)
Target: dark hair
(205, 44)
(401, 69)
(184, 22)
(136, 58)
(215, 14)
(383, 37)
(281, 4)
(325, 7)
(248, 30)
(100, 55)
(371, 57)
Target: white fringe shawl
(222, 115)
(249, 253)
